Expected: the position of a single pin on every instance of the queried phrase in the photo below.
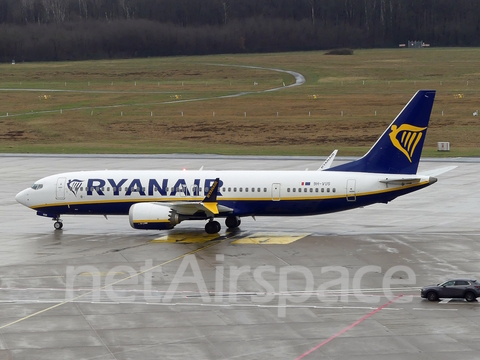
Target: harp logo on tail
(405, 138)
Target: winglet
(328, 162)
(212, 193)
(210, 201)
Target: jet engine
(151, 216)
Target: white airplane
(160, 199)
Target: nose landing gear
(58, 224)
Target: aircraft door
(60, 195)
(276, 192)
(351, 190)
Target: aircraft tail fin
(399, 148)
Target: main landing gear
(58, 224)
(212, 227)
(233, 222)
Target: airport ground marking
(263, 238)
(349, 327)
(114, 283)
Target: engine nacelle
(150, 216)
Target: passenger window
(316, 189)
(299, 189)
(234, 189)
(294, 189)
(229, 189)
(253, 189)
(323, 189)
(81, 189)
(328, 189)
(240, 189)
(246, 189)
(258, 189)
(305, 190)
(223, 189)
(264, 189)
(108, 188)
(334, 190)
(311, 189)
(288, 189)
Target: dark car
(457, 288)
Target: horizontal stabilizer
(401, 181)
(407, 180)
(438, 171)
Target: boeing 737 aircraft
(160, 200)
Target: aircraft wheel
(58, 225)
(212, 227)
(233, 222)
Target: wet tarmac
(338, 286)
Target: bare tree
(82, 6)
(126, 7)
(27, 9)
(312, 5)
(57, 8)
(225, 6)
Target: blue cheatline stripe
(245, 207)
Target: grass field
(139, 106)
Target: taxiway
(433, 232)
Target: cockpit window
(37, 186)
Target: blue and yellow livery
(159, 200)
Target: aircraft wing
(328, 162)
(190, 207)
(209, 204)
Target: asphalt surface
(281, 288)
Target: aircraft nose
(22, 197)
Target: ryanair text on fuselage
(155, 187)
